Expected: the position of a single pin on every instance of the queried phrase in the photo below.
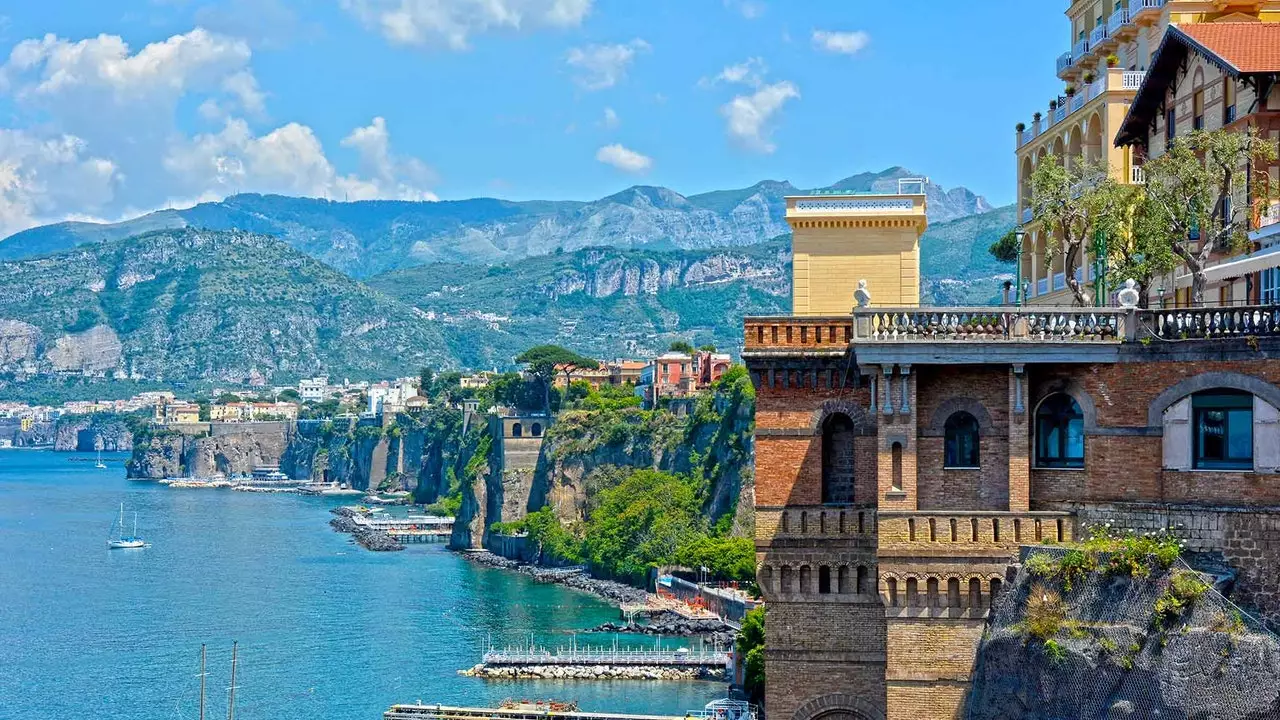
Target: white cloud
(40, 177)
(749, 116)
(624, 159)
(750, 9)
(98, 133)
(603, 66)
(749, 72)
(843, 43)
(611, 119)
(451, 23)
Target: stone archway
(838, 707)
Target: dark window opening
(824, 580)
(961, 441)
(837, 460)
(1223, 430)
(1059, 433)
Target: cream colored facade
(1085, 124)
(839, 239)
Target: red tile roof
(1250, 47)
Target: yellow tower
(839, 238)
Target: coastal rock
(673, 625)
(87, 433)
(570, 577)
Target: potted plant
(1053, 104)
(1021, 127)
(1037, 117)
(1070, 91)
(1089, 77)
(1113, 60)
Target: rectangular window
(1228, 101)
(1171, 125)
(1223, 423)
(1270, 286)
(1197, 102)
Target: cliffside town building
(1178, 65)
(903, 454)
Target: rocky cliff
(1111, 645)
(230, 448)
(87, 433)
(587, 450)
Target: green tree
(1125, 215)
(727, 558)
(1061, 197)
(544, 361)
(708, 348)
(750, 644)
(227, 397)
(682, 346)
(1201, 189)
(1006, 248)
(425, 377)
(640, 523)
(289, 395)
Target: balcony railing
(1118, 20)
(1080, 49)
(1137, 176)
(1136, 7)
(1133, 79)
(1060, 114)
(1059, 281)
(989, 323)
(1208, 323)
(1077, 101)
(1064, 61)
(1097, 36)
(1026, 215)
(1042, 286)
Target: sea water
(326, 628)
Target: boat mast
(231, 704)
(202, 681)
(135, 524)
(121, 520)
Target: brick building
(903, 454)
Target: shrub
(1045, 612)
(1231, 623)
(1042, 565)
(1184, 588)
(1076, 565)
(1054, 651)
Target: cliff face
(87, 433)
(586, 451)
(41, 434)
(229, 450)
(1116, 657)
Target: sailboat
(122, 541)
(100, 465)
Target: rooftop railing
(989, 324)
(1117, 21)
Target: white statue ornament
(861, 295)
(1128, 294)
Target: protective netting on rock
(1114, 656)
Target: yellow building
(1111, 44)
(884, 249)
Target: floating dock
(609, 657)
(444, 712)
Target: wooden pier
(409, 529)
(610, 657)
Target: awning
(1239, 266)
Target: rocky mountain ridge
(366, 238)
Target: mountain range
(366, 238)
(274, 288)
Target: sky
(112, 109)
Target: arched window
(1222, 435)
(1059, 433)
(516, 430)
(536, 429)
(837, 459)
(961, 441)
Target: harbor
(716, 710)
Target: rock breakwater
(593, 672)
(578, 578)
(369, 538)
(671, 624)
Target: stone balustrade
(1208, 323)
(990, 324)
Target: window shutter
(1266, 436)
(1177, 435)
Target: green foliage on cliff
(641, 523)
(750, 644)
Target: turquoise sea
(326, 629)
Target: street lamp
(1019, 234)
(1160, 290)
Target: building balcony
(915, 533)
(1110, 81)
(1065, 61)
(1026, 215)
(1119, 23)
(1145, 12)
(1098, 36)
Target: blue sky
(113, 108)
